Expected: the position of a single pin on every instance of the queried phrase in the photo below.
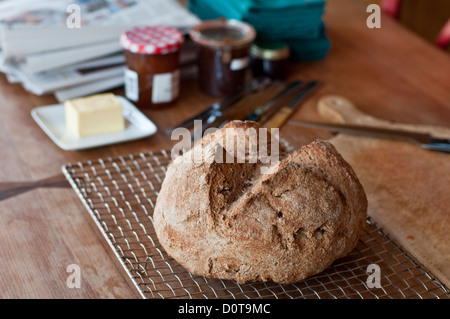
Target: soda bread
(230, 221)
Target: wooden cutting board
(408, 188)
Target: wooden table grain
(390, 73)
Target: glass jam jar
(223, 57)
(152, 55)
(269, 59)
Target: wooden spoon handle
(338, 109)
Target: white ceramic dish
(51, 119)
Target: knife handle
(279, 118)
(284, 113)
(254, 87)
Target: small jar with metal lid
(269, 59)
(152, 55)
(223, 59)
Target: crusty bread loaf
(230, 221)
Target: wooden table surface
(389, 73)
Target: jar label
(131, 85)
(239, 64)
(165, 87)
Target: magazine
(70, 80)
(89, 88)
(44, 44)
(49, 81)
(59, 58)
(28, 27)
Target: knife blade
(424, 140)
(283, 112)
(241, 109)
(220, 106)
(261, 110)
(268, 97)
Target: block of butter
(95, 114)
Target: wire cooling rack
(120, 194)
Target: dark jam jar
(152, 55)
(223, 60)
(269, 59)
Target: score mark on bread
(229, 221)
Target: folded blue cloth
(260, 5)
(309, 49)
(206, 9)
(272, 4)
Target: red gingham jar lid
(152, 40)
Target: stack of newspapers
(71, 48)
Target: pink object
(391, 7)
(443, 39)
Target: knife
(240, 110)
(218, 107)
(424, 140)
(261, 110)
(267, 98)
(283, 113)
